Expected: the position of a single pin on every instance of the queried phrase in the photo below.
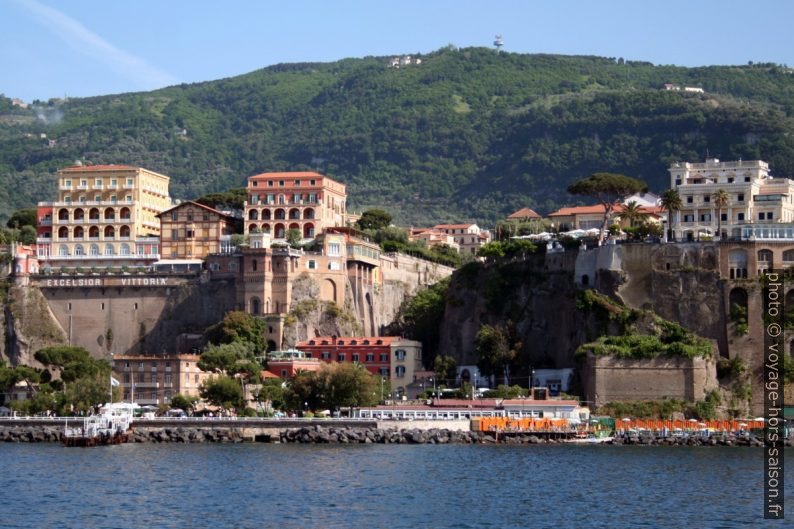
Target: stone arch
(295, 226)
(79, 232)
(93, 232)
(125, 214)
(788, 255)
(308, 230)
(294, 213)
(110, 214)
(63, 232)
(329, 290)
(253, 215)
(93, 214)
(79, 214)
(266, 215)
(271, 345)
(280, 214)
(308, 213)
(765, 256)
(110, 232)
(279, 231)
(265, 228)
(252, 227)
(63, 214)
(124, 231)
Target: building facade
(104, 215)
(468, 236)
(155, 379)
(393, 357)
(193, 231)
(755, 198)
(303, 201)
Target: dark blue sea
(383, 486)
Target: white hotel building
(760, 206)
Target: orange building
(193, 231)
(304, 201)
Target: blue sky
(52, 48)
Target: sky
(78, 48)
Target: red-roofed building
(590, 217)
(388, 356)
(304, 201)
(524, 214)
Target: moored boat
(110, 426)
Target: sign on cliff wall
(102, 282)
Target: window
(311, 265)
(98, 183)
(82, 199)
(214, 267)
(174, 235)
(270, 183)
(723, 216)
(384, 358)
(340, 357)
(678, 181)
(746, 178)
(297, 182)
(205, 216)
(312, 182)
(740, 216)
(190, 234)
(232, 267)
(705, 217)
(109, 249)
(370, 357)
(334, 248)
(174, 215)
(730, 180)
(333, 265)
(129, 181)
(383, 371)
(761, 216)
(97, 198)
(400, 354)
(281, 183)
(740, 197)
(707, 198)
(189, 215)
(689, 200)
(400, 371)
(354, 357)
(114, 182)
(768, 215)
(325, 355)
(689, 218)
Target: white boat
(110, 426)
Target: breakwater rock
(322, 435)
(30, 434)
(187, 435)
(714, 440)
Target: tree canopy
(239, 327)
(608, 189)
(374, 219)
(333, 386)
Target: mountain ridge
(469, 134)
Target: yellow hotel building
(104, 214)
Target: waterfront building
(105, 215)
(755, 199)
(193, 231)
(153, 379)
(468, 236)
(393, 357)
(305, 201)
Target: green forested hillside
(469, 134)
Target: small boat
(111, 426)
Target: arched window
(125, 249)
(253, 215)
(110, 232)
(308, 213)
(63, 250)
(125, 214)
(308, 231)
(280, 214)
(254, 264)
(93, 232)
(79, 215)
(110, 214)
(63, 232)
(266, 214)
(294, 213)
(93, 214)
(63, 214)
(93, 250)
(255, 305)
(79, 233)
(109, 249)
(765, 256)
(788, 255)
(78, 250)
(124, 231)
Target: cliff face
(28, 325)
(540, 304)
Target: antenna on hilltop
(498, 42)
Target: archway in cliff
(271, 345)
(737, 311)
(370, 313)
(329, 290)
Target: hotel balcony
(129, 186)
(82, 187)
(147, 385)
(97, 186)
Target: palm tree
(721, 200)
(671, 201)
(631, 213)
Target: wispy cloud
(136, 69)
